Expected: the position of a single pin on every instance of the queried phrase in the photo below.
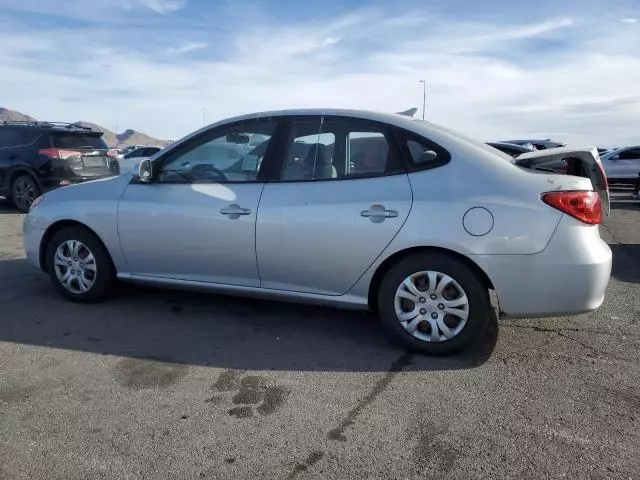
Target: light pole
(424, 95)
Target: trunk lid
(583, 162)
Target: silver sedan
(345, 208)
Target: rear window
(77, 141)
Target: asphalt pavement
(172, 385)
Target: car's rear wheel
(433, 303)
(24, 190)
(79, 265)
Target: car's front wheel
(433, 303)
(79, 265)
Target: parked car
(133, 158)
(511, 149)
(622, 165)
(560, 165)
(128, 149)
(36, 157)
(415, 222)
(538, 144)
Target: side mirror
(144, 171)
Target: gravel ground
(161, 384)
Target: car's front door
(340, 196)
(196, 219)
(623, 165)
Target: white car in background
(134, 157)
(622, 165)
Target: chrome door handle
(378, 213)
(234, 210)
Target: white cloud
(158, 6)
(188, 47)
(629, 20)
(477, 79)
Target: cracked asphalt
(172, 385)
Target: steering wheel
(204, 170)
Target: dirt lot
(160, 384)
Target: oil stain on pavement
(138, 374)
(252, 394)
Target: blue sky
(566, 69)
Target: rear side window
(339, 148)
(10, 137)
(77, 141)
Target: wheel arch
(389, 262)
(19, 171)
(55, 228)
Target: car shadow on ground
(209, 330)
(626, 262)
(633, 205)
(7, 207)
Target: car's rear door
(338, 197)
(10, 139)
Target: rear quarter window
(422, 153)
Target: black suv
(39, 156)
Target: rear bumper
(569, 277)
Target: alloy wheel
(24, 194)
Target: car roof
(61, 127)
(422, 127)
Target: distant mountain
(128, 137)
(132, 137)
(7, 115)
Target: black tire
(477, 294)
(104, 276)
(24, 190)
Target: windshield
(77, 140)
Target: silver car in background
(622, 165)
(344, 208)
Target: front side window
(327, 149)
(630, 154)
(232, 154)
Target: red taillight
(113, 153)
(584, 205)
(49, 152)
(57, 153)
